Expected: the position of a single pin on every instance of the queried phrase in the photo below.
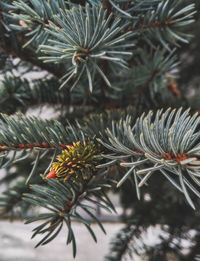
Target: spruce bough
(109, 67)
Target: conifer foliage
(109, 71)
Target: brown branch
(21, 146)
(147, 26)
(146, 85)
(13, 46)
(172, 86)
(107, 6)
(28, 56)
(70, 204)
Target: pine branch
(52, 24)
(84, 57)
(118, 43)
(103, 42)
(165, 23)
(62, 200)
(21, 137)
(167, 142)
(150, 74)
(12, 42)
(35, 16)
(19, 132)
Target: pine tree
(115, 73)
